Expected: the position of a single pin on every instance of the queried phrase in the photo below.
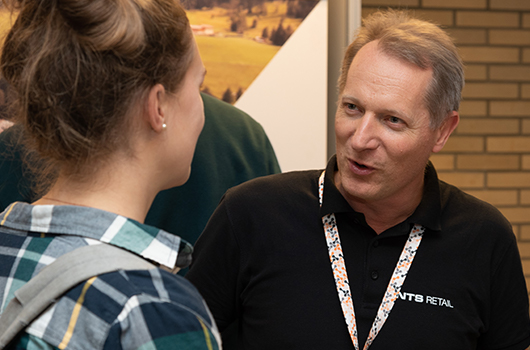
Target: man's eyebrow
(349, 97)
(386, 111)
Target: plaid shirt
(147, 309)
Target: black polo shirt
(263, 259)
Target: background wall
(489, 154)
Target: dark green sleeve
(15, 184)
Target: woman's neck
(120, 190)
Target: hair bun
(114, 25)
(80, 70)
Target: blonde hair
(421, 43)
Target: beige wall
(489, 154)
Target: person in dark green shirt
(231, 149)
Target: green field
(232, 62)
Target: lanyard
(341, 277)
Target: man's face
(383, 137)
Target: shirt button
(375, 275)
(376, 244)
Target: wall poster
(269, 58)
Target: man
(418, 264)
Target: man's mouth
(360, 168)
(360, 165)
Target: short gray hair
(421, 43)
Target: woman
(108, 94)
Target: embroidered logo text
(418, 298)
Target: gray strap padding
(57, 278)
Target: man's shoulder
(456, 202)
(454, 196)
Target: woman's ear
(155, 116)
(445, 130)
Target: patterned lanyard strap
(341, 277)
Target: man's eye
(351, 106)
(394, 120)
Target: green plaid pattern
(148, 309)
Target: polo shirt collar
(333, 201)
(429, 211)
(427, 214)
(147, 241)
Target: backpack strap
(57, 278)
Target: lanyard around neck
(343, 284)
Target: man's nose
(365, 135)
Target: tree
(279, 36)
(300, 9)
(265, 33)
(289, 31)
(239, 93)
(249, 4)
(238, 22)
(228, 96)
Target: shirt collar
(333, 201)
(149, 242)
(429, 211)
(427, 214)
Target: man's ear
(155, 116)
(445, 130)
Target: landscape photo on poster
(238, 38)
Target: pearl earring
(164, 126)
